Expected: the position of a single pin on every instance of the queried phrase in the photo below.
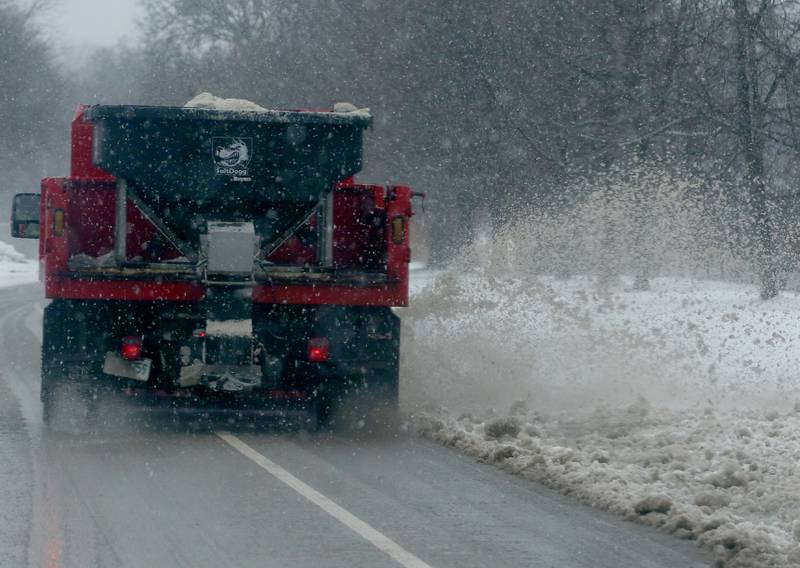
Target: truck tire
(69, 403)
(52, 369)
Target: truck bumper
(202, 402)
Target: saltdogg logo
(232, 156)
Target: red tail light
(131, 348)
(319, 350)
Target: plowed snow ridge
(15, 268)
(677, 407)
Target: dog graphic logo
(232, 155)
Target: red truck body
(87, 198)
(92, 278)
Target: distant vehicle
(220, 261)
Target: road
(158, 495)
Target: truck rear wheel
(52, 370)
(69, 402)
(318, 416)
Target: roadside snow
(15, 268)
(676, 407)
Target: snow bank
(15, 268)
(566, 344)
(676, 407)
(723, 477)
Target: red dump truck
(220, 261)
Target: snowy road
(165, 496)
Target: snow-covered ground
(677, 407)
(15, 267)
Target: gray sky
(75, 23)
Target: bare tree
(745, 84)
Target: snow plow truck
(213, 260)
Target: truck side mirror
(25, 216)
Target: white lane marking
(373, 536)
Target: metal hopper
(185, 167)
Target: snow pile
(675, 406)
(15, 268)
(86, 261)
(211, 102)
(9, 254)
(351, 110)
